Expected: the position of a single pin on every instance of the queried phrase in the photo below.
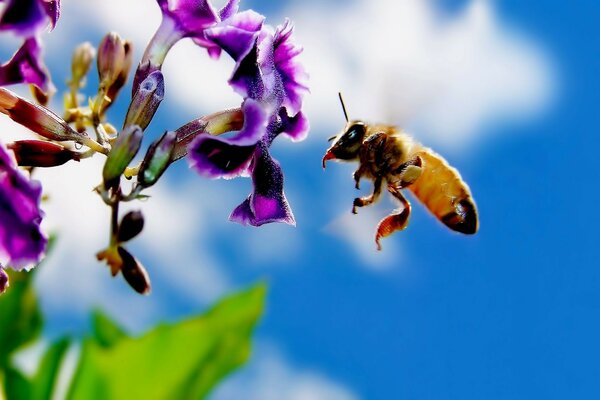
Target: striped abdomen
(441, 189)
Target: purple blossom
(182, 19)
(267, 74)
(27, 18)
(22, 243)
(27, 66)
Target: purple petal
(191, 17)
(267, 203)
(238, 34)
(52, 11)
(229, 9)
(3, 280)
(296, 128)
(22, 243)
(24, 17)
(217, 157)
(292, 73)
(27, 66)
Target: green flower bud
(157, 159)
(124, 149)
(146, 100)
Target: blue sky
(510, 313)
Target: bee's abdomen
(441, 189)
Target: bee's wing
(441, 189)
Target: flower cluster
(267, 76)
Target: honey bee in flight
(387, 155)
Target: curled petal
(237, 34)
(27, 66)
(217, 157)
(296, 127)
(267, 203)
(292, 73)
(22, 243)
(52, 8)
(24, 17)
(191, 17)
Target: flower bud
(121, 79)
(146, 100)
(134, 272)
(37, 153)
(37, 118)
(124, 149)
(82, 61)
(111, 58)
(157, 159)
(131, 225)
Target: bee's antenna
(343, 106)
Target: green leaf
(183, 360)
(106, 332)
(20, 317)
(42, 384)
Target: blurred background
(506, 91)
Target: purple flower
(27, 18)
(182, 19)
(22, 243)
(27, 66)
(269, 77)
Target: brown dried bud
(131, 225)
(37, 153)
(134, 272)
(37, 118)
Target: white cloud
(270, 376)
(403, 63)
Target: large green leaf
(106, 332)
(20, 317)
(184, 360)
(42, 384)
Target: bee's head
(347, 144)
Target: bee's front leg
(365, 201)
(357, 175)
(397, 220)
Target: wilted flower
(269, 77)
(22, 243)
(3, 280)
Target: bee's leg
(357, 175)
(410, 171)
(365, 201)
(397, 220)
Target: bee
(389, 156)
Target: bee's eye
(355, 132)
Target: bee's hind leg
(398, 219)
(365, 201)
